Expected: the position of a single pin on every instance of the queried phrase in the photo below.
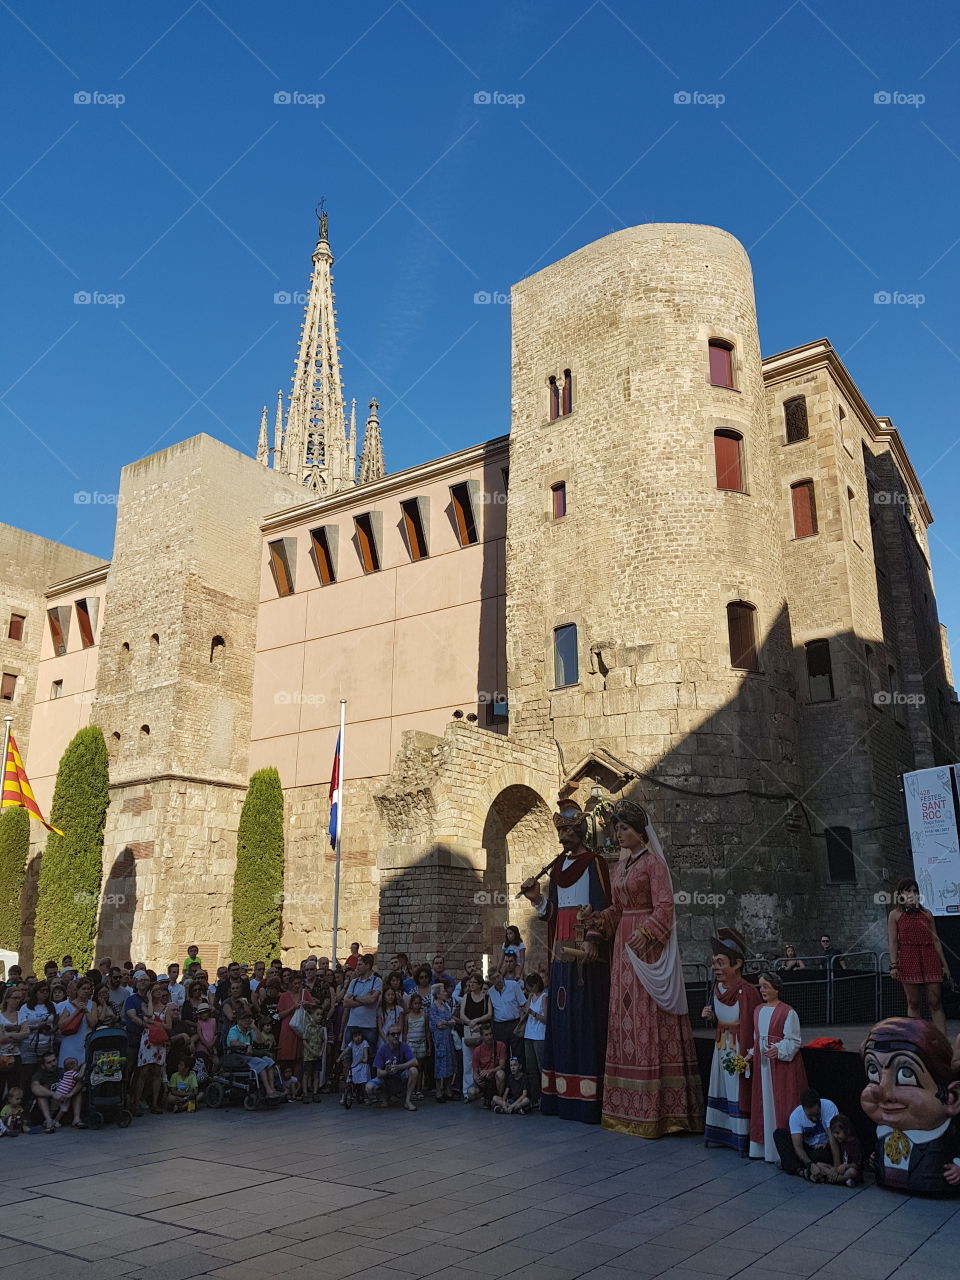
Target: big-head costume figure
(576, 1039)
(731, 1005)
(912, 1095)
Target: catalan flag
(17, 789)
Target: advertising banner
(934, 838)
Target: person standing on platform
(916, 956)
(731, 1007)
(575, 1046)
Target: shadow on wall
(432, 907)
(28, 914)
(118, 906)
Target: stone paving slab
(452, 1193)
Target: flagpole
(336, 879)
(7, 728)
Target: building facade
(689, 574)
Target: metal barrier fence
(854, 987)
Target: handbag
(298, 1020)
(70, 1028)
(157, 1033)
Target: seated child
(514, 1100)
(314, 1053)
(850, 1169)
(291, 1084)
(356, 1063)
(66, 1092)
(11, 1117)
(265, 1042)
(183, 1087)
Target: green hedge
(14, 848)
(258, 880)
(71, 869)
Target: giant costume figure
(576, 1039)
(731, 1005)
(913, 1097)
(651, 1086)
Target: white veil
(663, 978)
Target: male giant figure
(576, 1039)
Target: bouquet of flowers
(735, 1064)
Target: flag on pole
(335, 793)
(17, 789)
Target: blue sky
(193, 198)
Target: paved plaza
(453, 1192)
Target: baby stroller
(234, 1081)
(106, 1059)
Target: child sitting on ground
(291, 1084)
(355, 1060)
(850, 1169)
(183, 1087)
(515, 1100)
(314, 1052)
(11, 1117)
(66, 1092)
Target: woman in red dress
(290, 1044)
(916, 956)
(651, 1085)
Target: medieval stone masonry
(689, 574)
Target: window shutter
(726, 446)
(804, 509)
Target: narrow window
(282, 563)
(869, 663)
(841, 867)
(323, 551)
(413, 528)
(795, 418)
(566, 663)
(566, 399)
(554, 393)
(113, 745)
(852, 512)
(144, 731)
(742, 632)
(804, 509)
(56, 689)
(505, 472)
(728, 454)
(463, 516)
(721, 363)
(218, 647)
(558, 495)
(842, 421)
(15, 629)
(8, 686)
(896, 695)
(59, 619)
(86, 621)
(819, 671)
(125, 647)
(367, 543)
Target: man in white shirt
(507, 1001)
(178, 992)
(807, 1139)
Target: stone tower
(173, 694)
(624, 551)
(318, 446)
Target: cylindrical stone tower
(631, 519)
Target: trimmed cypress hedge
(14, 848)
(71, 869)
(258, 879)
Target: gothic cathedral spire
(318, 446)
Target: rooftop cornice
(822, 355)
(91, 578)
(369, 494)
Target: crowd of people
(367, 1035)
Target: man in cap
(576, 1040)
(731, 1005)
